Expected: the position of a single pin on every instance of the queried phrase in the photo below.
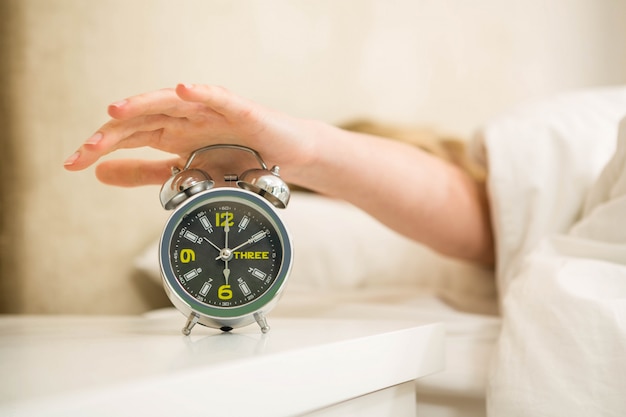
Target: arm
(414, 193)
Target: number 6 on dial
(224, 292)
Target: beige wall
(69, 242)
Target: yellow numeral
(222, 219)
(187, 255)
(224, 292)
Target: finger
(164, 101)
(96, 147)
(133, 173)
(135, 133)
(217, 98)
(81, 159)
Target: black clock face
(226, 253)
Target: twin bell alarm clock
(224, 253)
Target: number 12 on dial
(223, 219)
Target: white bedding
(561, 242)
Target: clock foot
(262, 322)
(191, 321)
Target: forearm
(421, 196)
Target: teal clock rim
(220, 195)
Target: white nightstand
(133, 366)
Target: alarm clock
(225, 254)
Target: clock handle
(266, 183)
(189, 181)
(224, 146)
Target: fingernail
(188, 86)
(119, 103)
(97, 137)
(71, 159)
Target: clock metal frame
(224, 318)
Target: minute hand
(255, 238)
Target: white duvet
(558, 190)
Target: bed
(542, 334)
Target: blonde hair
(451, 149)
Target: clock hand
(226, 253)
(211, 243)
(255, 238)
(226, 230)
(226, 272)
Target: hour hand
(226, 273)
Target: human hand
(444, 207)
(186, 118)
